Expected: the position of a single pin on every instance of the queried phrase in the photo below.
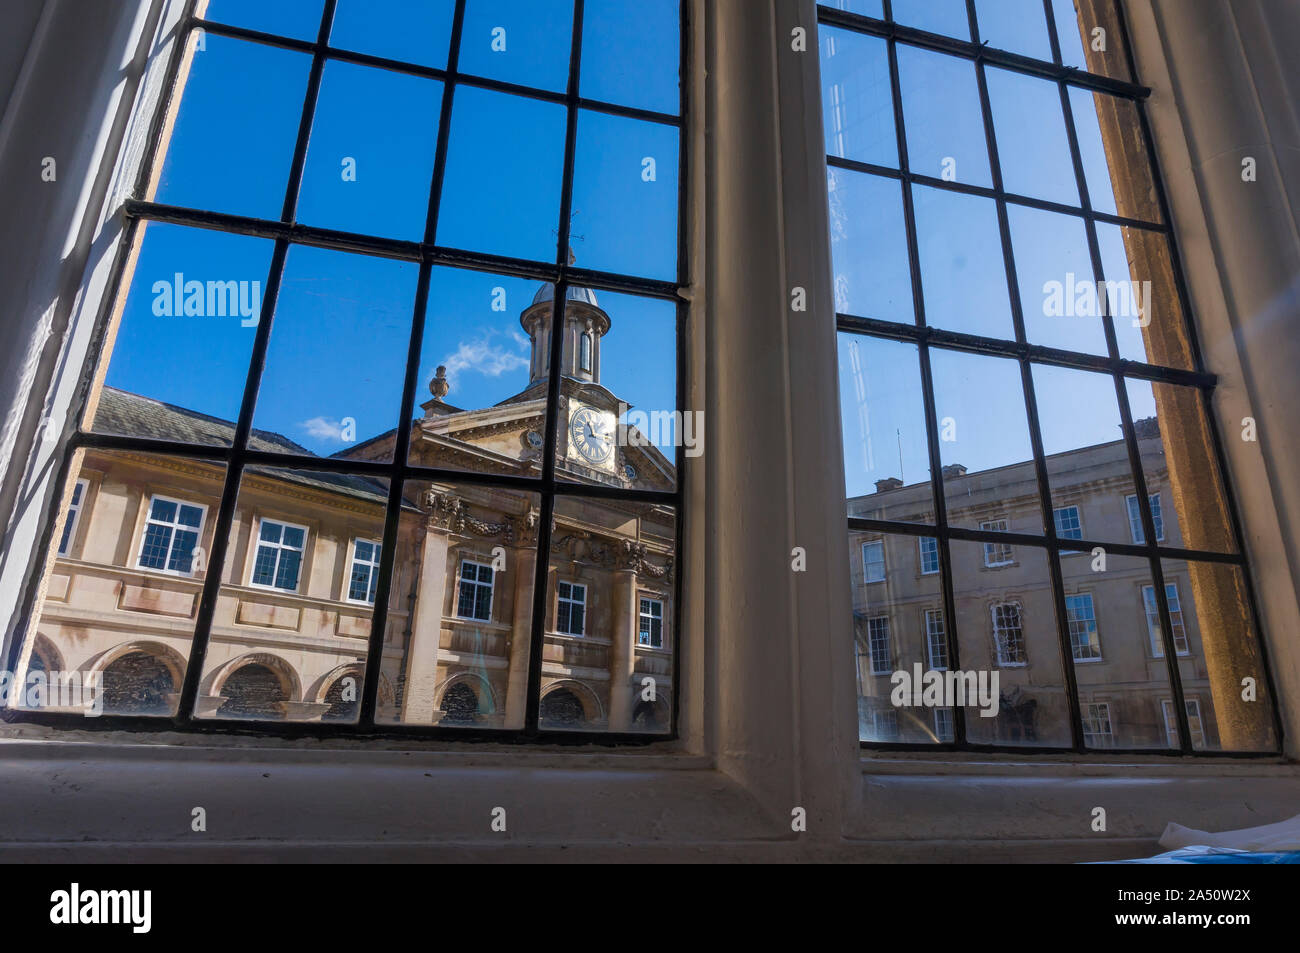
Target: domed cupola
(584, 325)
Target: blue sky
(342, 323)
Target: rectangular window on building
(936, 639)
(882, 662)
(171, 536)
(1175, 618)
(873, 561)
(1097, 729)
(996, 553)
(1193, 723)
(79, 491)
(1135, 518)
(474, 599)
(571, 608)
(929, 555)
(943, 724)
(650, 623)
(886, 725)
(1008, 634)
(1067, 522)
(1085, 642)
(278, 561)
(364, 576)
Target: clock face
(535, 440)
(591, 436)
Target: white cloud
(323, 428)
(482, 357)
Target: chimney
(888, 483)
(953, 470)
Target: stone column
(426, 630)
(622, 655)
(524, 566)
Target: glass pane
(963, 273)
(1091, 37)
(945, 124)
(988, 471)
(519, 41)
(1143, 296)
(366, 170)
(1121, 682)
(296, 19)
(869, 247)
(632, 60)
(1178, 461)
(1223, 669)
(337, 356)
(937, 16)
(1017, 26)
(1008, 638)
(857, 102)
(112, 628)
(899, 637)
(483, 361)
(1087, 460)
(286, 643)
(505, 161)
(1033, 147)
(867, 8)
(237, 93)
(596, 674)
(1058, 290)
(625, 196)
(886, 455)
(620, 424)
(177, 360)
(1115, 159)
(414, 31)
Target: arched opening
(562, 709)
(650, 716)
(344, 698)
(459, 704)
(137, 683)
(252, 691)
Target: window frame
(1071, 622)
(874, 626)
(372, 576)
(998, 642)
(921, 541)
(640, 615)
(927, 617)
(72, 519)
(477, 584)
(570, 601)
(144, 532)
(1088, 718)
(1154, 640)
(994, 547)
(257, 542)
(867, 580)
(1135, 529)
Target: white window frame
(1135, 518)
(921, 547)
(257, 543)
(933, 631)
(1002, 661)
(886, 717)
(643, 616)
(992, 550)
(372, 579)
(866, 563)
(874, 625)
(477, 584)
(144, 533)
(73, 517)
(559, 598)
(1195, 723)
(943, 725)
(1151, 610)
(1092, 714)
(1073, 624)
(1078, 519)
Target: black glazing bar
(685, 195)
(1053, 38)
(402, 438)
(974, 51)
(257, 360)
(1056, 578)
(450, 74)
(927, 391)
(983, 191)
(167, 101)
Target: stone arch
(585, 698)
(329, 690)
(652, 716)
(482, 688)
(290, 684)
(45, 656)
(140, 678)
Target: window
(650, 624)
(936, 640)
(943, 724)
(886, 725)
(585, 344)
(1175, 618)
(171, 536)
(474, 599)
(1085, 643)
(278, 560)
(571, 608)
(1008, 635)
(1135, 518)
(882, 662)
(364, 576)
(79, 491)
(1067, 522)
(873, 561)
(1097, 731)
(1194, 723)
(929, 555)
(996, 553)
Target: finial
(439, 386)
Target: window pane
(519, 41)
(177, 360)
(869, 247)
(962, 270)
(1224, 668)
(1179, 463)
(337, 355)
(945, 124)
(1006, 624)
(1110, 138)
(857, 102)
(886, 454)
(867, 8)
(611, 554)
(367, 170)
(988, 470)
(1017, 26)
(1058, 289)
(891, 635)
(937, 16)
(1091, 37)
(236, 93)
(414, 31)
(297, 19)
(126, 620)
(1033, 148)
(632, 60)
(505, 162)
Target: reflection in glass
(857, 104)
(941, 109)
(869, 247)
(886, 456)
(1033, 148)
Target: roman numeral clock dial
(591, 436)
